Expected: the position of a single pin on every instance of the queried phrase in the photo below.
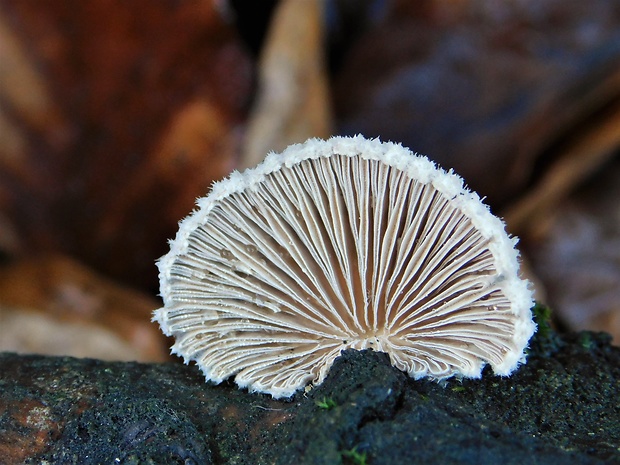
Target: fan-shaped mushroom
(344, 243)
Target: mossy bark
(563, 406)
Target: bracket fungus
(338, 244)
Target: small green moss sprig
(586, 340)
(545, 341)
(326, 403)
(542, 317)
(355, 457)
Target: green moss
(585, 340)
(326, 403)
(542, 318)
(354, 457)
(545, 341)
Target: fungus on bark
(337, 244)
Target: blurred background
(115, 115)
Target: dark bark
(561, 407)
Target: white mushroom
(337, 244)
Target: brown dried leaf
(585, 154)
(120, 114)
(486, 88)
(293, 101)
(54, 305)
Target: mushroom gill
(344, 243)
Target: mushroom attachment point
(341, 244)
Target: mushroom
(342, 244)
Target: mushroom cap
(338, 244)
